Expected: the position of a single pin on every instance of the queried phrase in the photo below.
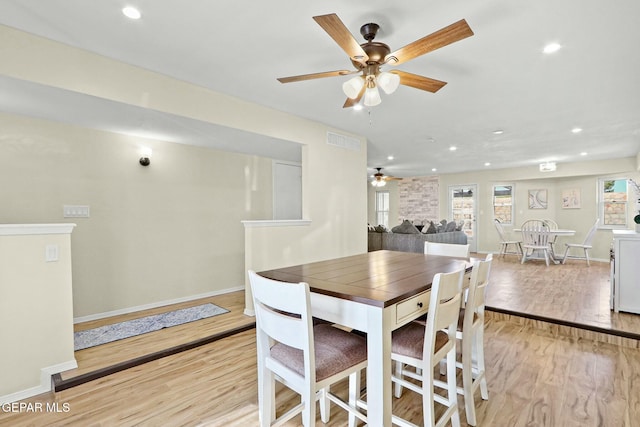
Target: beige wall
(583, 176)
(155, 233)
(172, 229)
(36, 321)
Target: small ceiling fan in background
(368, 59)
(380, 179)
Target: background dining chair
(422, 346)
(504, 242)
(552, 225)
(446, 249)
(535, 240)
(535, 223)
(585, 246)
(305, 358)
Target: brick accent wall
(419, 199)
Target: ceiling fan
(380, 179)
(368, 59)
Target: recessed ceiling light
(452, 148)
(390, 158)
(551, 48)
(433, 169)
(584, 153)
(487, 164)
(131, 12)
(498, 132)
(576, 130)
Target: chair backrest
(535, 236)
(551, 224)
(499, 229)
(535, 223)
(476, 294)
(446, 249)
(444, 306)
(283, 314)
(591, 234)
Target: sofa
(413, 242)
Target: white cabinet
(625, 280)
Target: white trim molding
(45, 382)
(154, 305)
(28, 229)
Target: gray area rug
(131, 328)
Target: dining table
(553, 233)
(375, 293)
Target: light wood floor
(536, 378)
(105, 355)
(572, 292)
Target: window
(503, 203)
(382, 208)
(613, 201)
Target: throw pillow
(431, 229)
(380, 229)
(405, 228)
(451, 226)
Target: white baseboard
(248, 312)
(154, 305)
(45, 382)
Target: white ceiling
(497, 79)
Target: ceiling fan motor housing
(369, 31)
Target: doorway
(287, 190)
(463, 209)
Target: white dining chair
(536, 240)
(585, 245)
(471, 333)
(422, 346)
(552, 225)
(307, 359)
(505, 243)
(534, 223)
(446, 249)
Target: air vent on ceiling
(343, 141)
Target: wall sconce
(145, 159)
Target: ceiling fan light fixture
(372, 96)
(352, 87)
(389, 82)
(378, 183)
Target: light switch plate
(51, 253)
(75, 211)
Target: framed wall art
(571, 199)
(538, 199)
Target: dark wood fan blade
(315, 76)
(351, 102)
(339, 32)
(419, 82)
(447, 35)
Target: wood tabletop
(379, 278)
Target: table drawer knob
(420, 304)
